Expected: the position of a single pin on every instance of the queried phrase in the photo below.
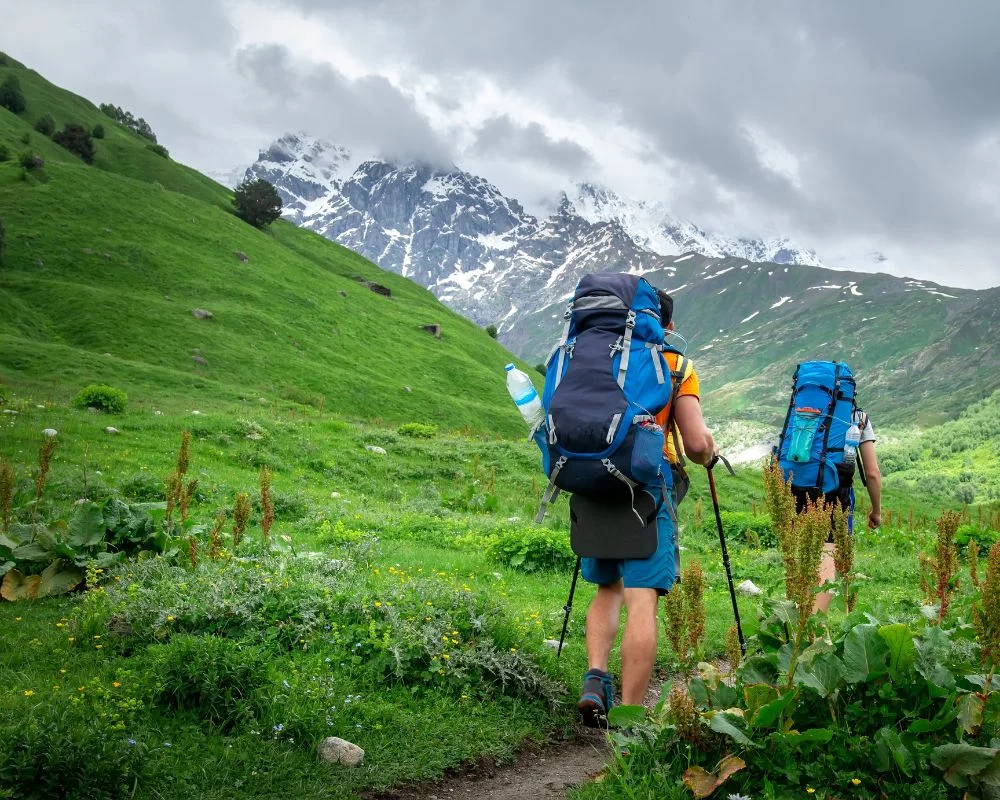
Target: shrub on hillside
(4, 153)
(159, 149)
(257, 202)
(417, 430)
(98, 132)
(76, 139)
(30, 161)
(11, 96)
(45, 125)
(103, 397)
(492, 331)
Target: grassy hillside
(105, 263)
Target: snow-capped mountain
(749, 308)
(654, 227)
(455, 233)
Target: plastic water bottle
(522, 392)
(851, 444)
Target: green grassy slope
(105, 264)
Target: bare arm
(699, 446)
(874, 480)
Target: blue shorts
(658, 572)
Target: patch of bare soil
(543, 773)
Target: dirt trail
(547, 773)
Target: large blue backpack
(811, 448)
(605, 381)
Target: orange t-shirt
(689, 386)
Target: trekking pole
(568, 607)
(725, 551)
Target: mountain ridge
(749, 322)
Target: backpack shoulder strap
(678, 375)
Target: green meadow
(313, 518)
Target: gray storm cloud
(831, 122)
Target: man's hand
(874, 519)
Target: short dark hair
(666, 307)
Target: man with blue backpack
(606, 381)
(824, 436)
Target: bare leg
(827, 572)
(638, 644)
(602, 624)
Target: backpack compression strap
(830, 411)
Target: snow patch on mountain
(653, 226)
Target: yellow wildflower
(810, 790)
(856, 781)
(170, 618)
(28, 692)
(116, 684)
(445, 656)
(378, 604)
(98, 646)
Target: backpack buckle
(617, 346)
(630, 319)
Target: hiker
(638, 583)
(873, 483)
(824, 435)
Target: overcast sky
(851, 126)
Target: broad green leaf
(759, 669)
(724, 696)
(902, 651)
(769, 714)
(784, 660)
(944, 717)
(933, 647)
(811, 735)
(86, 526)
(664, 694)
(980, 681)
(105, 559)
(865, 654)
(958, 761)
(823, 674)
(33, 552)
(970, 712)
(698, 692)
(6, 567)
(626, 716)
(768, 641)
(7, 543)
(17, 586)
(732, 726)
(756, 696)
(888, 741)
(59, 578)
